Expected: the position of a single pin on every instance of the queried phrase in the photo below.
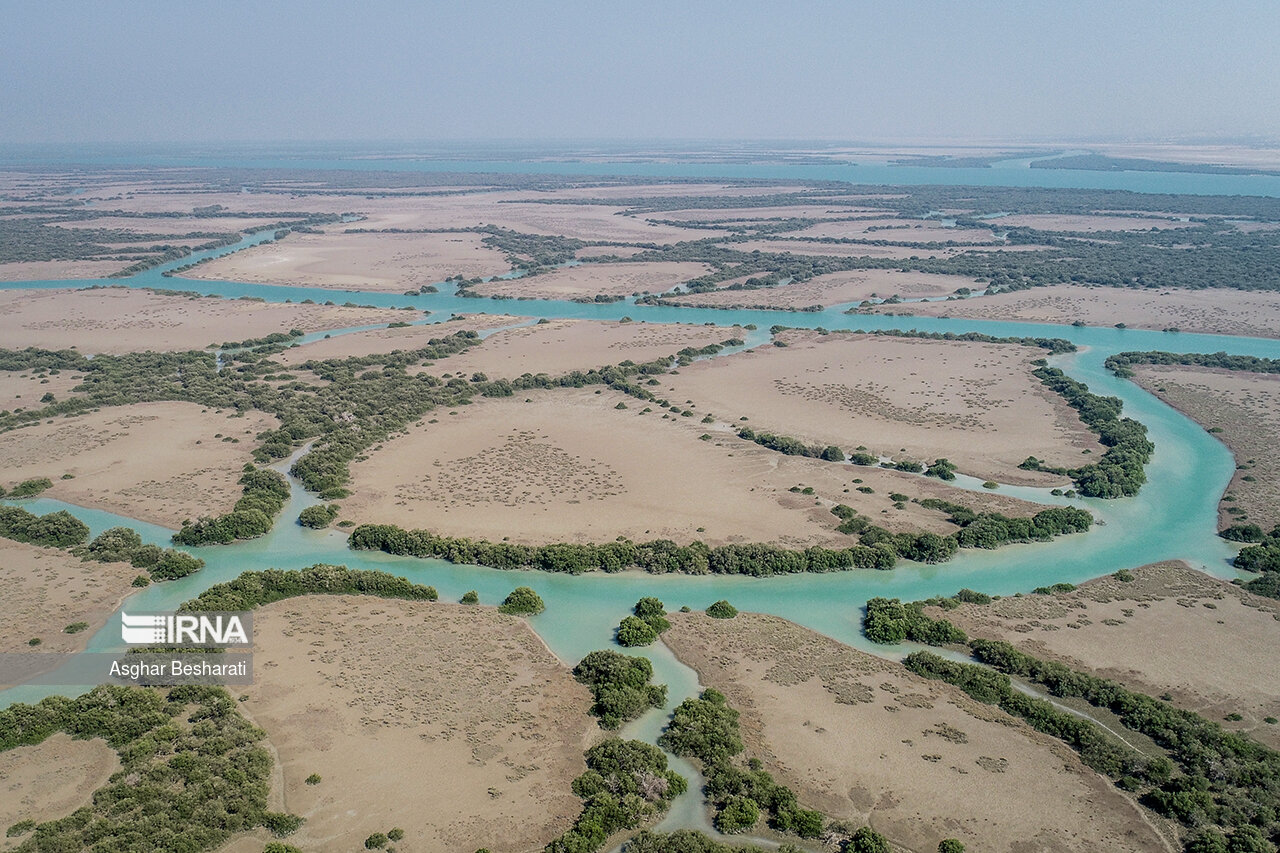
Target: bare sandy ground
(559, 346)
(51, 779)
(1214, 311)
(118, 320)
(47, 589)
(24, 390)
(835, 289)
(159, 462)
(862, 739)
(389, 340)
(390, 263)
(620, 279)
(516, 210)
(1246, 408)
(59, 270)
(975, 404)
(454, 723)
(841, 250)
(168, 225)
(897, 231)
(566, 465)
(1081, 222)
(1171, 629)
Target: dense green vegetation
(58, 529)
(888, 620)
(319, 516)
(265, 494)
(193, 770)
(1120, 472)
(1261, 556)
(620, 685)
(1222, 778)
(792, 446)
(642, 628)
(706, 729)
(522, 601)
(255, 588)
(977, 530)
(1121, 364)
(992, 529)
(123, 544)
(30, 488)
(659, 556)
(626, 783)
(722, 610)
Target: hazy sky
(198, 70)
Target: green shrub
(75, 627)
(376, 841)
(950, 845)
(313, 779)
(395, 833)
(620, 685)
(867, 840)
(470, 597)
(738, 815)
(318, 517)
(31, 488)
(634, 631)
(722, 610)
(522, 601)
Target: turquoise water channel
(1174, 516)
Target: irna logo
(185, 629)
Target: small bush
(722, 610)
(75, 627)
(376, 841)
(313, 779)
(522, 601)
(470, 597)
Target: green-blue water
(1175, 516)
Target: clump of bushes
(888, 620)
(265, 494)
(706, 728)
(722, 610)
(522, 601)
(626, 783)
(620, 685)
(642, 628)
(319, 516)
(58, 529)
(31, 488)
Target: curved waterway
(1174, 516)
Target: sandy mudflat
(620, 279)
(389, 340)
(841, 250)
(897, 231)
(378, 262)
(975, 404)
(1215, 311)
(1246, 408)
(46, 589)
(862, 739)
(58, 270)
(118, 320)
(51, 779)
(559, 346)
(19, 389)
(566, 465)
(454, 723)
(1072, 222)
(1171, 629)
(834, 289)
(159, 462)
